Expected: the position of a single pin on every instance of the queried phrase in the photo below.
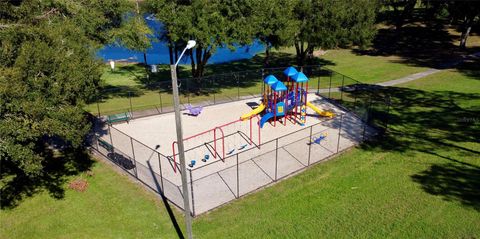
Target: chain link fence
(365, 115)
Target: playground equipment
(195, 111)
(317, 140)
(219, 151)
(319, 111)
(285, 100)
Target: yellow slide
(257, 110)
(319, 111)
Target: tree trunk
(170, 53)
(404, 14)
(198, 61)
(301, 53)
(467, 26)
(309, 52)
(145, 58)
(266, 61)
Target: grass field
(111, 207)
(420, 181)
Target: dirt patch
(79, 185)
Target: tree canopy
(48, 70)
(328, 24)
(212, 23)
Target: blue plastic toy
(205, 158)
(230, 152)
(192, 163)
(242, 147)
(319, 139)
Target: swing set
(219, 135)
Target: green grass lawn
(420, 181)
(111, 207)
(369, 69)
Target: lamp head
(191, 44)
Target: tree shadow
(56, 168)
(438, 123)
(454, 182)
(419, 44)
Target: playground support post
(181, 151)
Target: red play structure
(220, 151)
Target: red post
(274, 109)
(251, 139)
(306, 94)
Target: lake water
(159, 54)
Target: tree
(212, 23)
(48, 70)
(330, 23)
(134, 34)
(275, 23)
(402, 9)
(467, 12)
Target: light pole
(181, 152)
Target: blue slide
(265, 118)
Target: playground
(235, 148)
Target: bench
(118, 118)
(105, 145)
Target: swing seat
(242, 147)
(192, 164)
(319, 139)
(206, 158)
(230, 152)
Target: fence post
(339, 132)
(161, 174)
(330, 85)
(387, 116)
(310, 145)
(187, 91)
(238, 180)
(276, 157)
(355, 99)
(95, 136)
(191, 190)
(133, 155)
(341, 89)
(111, 140)
(130, 99)
(160, 96)
(366, 118)
(318, 82)
(238, 87)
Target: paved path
(416, 76)
(409, 78)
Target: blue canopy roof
(279, 86)
(270, 79)
(290, 71)
(300, 77)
